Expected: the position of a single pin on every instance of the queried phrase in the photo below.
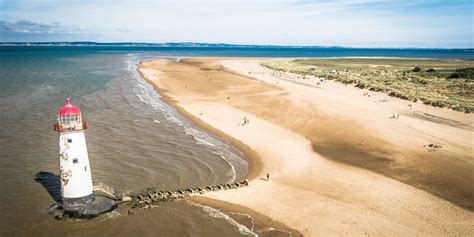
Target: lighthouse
(74, 168)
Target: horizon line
(104, 43)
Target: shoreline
(190, 100)
(255, 167)
(264, 222)
(255, 164)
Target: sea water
(135, 140)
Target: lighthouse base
(94, 206)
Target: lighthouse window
(69, 140)
(75, 161)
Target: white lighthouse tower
(74, 168)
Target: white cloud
(30, 27)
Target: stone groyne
(153, 196)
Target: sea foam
(214, 213)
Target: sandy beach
(338, 164)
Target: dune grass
(441, 83)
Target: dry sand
(306, 136)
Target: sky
(356, 23)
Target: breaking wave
(214, 213)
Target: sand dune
(322, 181)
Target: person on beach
(268, 177)
(244, 121)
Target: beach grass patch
(441, 83)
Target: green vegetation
(467, 73)
(442, 83)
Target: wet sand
(308, 137)
(254, 221)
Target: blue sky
(357, 23)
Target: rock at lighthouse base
(97, 206)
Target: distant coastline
(204, 45)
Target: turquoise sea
(235, 51)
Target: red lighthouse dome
(69, 118)
(68, 108)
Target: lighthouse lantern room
(74, 168)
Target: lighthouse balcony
(70, 123)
